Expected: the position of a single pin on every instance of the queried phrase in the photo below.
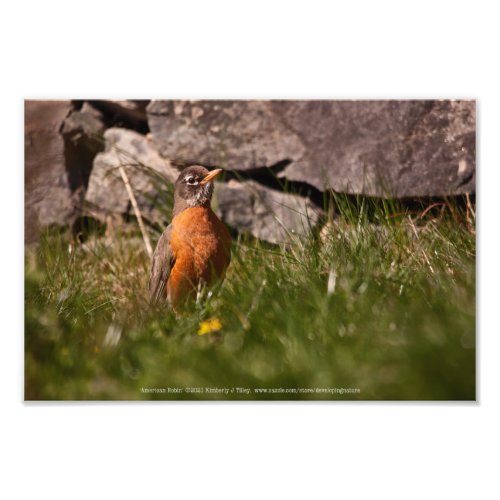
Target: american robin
(195, 247)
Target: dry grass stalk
(137, 212)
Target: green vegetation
(383, 301)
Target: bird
(195, 248)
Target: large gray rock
(377, 148)
(239, 135)
(385, 148)
(48, 196)
(82, 131)
(267, 214)
(149, 174)
(60, 145)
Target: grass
(381, 303)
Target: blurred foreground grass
(381, 302)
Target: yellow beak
(212, 175)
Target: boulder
(384, 148)
(267, 214)
(60, 145)
(149, 174)
(238, 135)
(376, 148)
(48, 193)
(83, 132)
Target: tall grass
(380, 302)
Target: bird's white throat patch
(202, 197)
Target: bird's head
(194, 188)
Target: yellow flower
(209, 326)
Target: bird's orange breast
(200, 245)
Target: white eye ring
(192, 181)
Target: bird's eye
(191, 181)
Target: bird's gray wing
(162, 263)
